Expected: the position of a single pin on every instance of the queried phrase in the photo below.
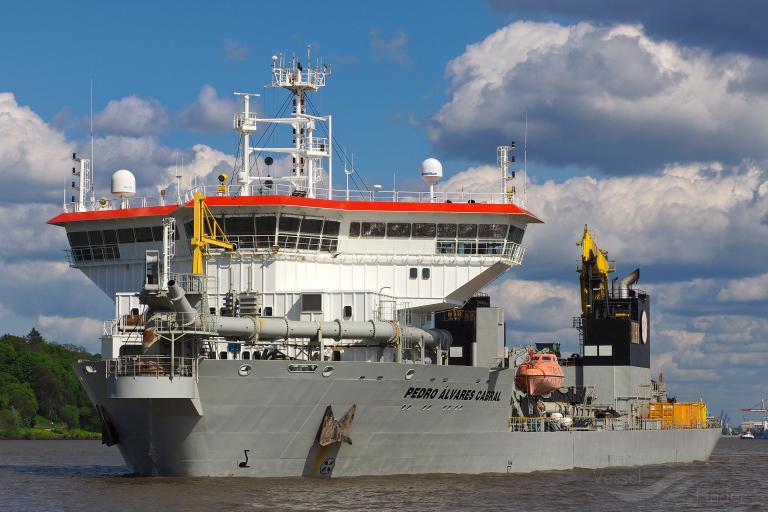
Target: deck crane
(206, 232)
(594, 271)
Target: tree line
(37, 378)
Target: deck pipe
(276, 328)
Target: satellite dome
(431, 170)
(123, 183)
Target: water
(85, 476)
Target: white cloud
(25, 234)
(81, 330)
(699, 214)
(132, 116)
(610, 98)
(537, 306)
(34, 158)
(209, 113)
(746, 289)
(204, 163)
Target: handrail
(293, 186)
(151, 366)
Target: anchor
(333, 430)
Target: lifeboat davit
(540, 375)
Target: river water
(84, 476)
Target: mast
(307, 150)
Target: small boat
(747, 435)
(540, 375)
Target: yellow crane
(205, 232)
(593, 272)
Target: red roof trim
(381, 206)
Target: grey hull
(266, 423)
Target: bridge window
(125, 236)
(265, 224)
(290, 224)
(398, 230)
(239, 226)
(492, 231)
(331, 227)
(373, 229)
(143, 234)
(467, 231)
(95, 238)
(446, 230)
(110, 236)
(423, 230)
(78, 238)
(312, 226)
(515, 234)
(354, 229)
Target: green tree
(34, 336)
(70, 415)
(49, 389)
(22, 399)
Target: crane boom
(593, 272)
(206, 232)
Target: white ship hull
(275, 415)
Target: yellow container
(679, 414)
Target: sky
(647, 123)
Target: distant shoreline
(34, 434)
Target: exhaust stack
(628, 280)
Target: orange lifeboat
(540, 375)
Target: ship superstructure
(251, 314)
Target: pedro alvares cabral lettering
(482, 395)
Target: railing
(547, 424)
(511, 250)
(91, 253)
(290, 241)
(281, 186)
(282, 77)
(151, 366)
(191, 283)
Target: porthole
(409, 374)
(244, 370)
(327, 371)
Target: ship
(271, 325)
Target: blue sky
(168, 52)
(647, 124)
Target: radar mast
(307, 150)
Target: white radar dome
(123, 183)
(431, 170)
